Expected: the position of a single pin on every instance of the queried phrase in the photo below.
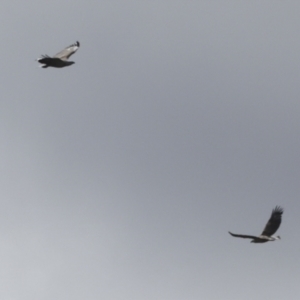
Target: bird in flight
(271, 227)
(60, 59)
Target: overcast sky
(122, 174)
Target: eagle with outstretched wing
(60, 59)
(270, 228)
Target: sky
(122, 174)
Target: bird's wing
(274, 221)
(67, 52)
(244, 236)
(44, 59)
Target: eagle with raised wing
(60, 59)
(271, 227)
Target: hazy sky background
(121, 175)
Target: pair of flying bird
(60, 59)
(270, 228)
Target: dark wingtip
(78, 44)
(278, 209)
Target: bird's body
(271, 227)
(60, 59)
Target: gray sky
(121, 175)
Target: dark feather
(45, 59)
(274, 221)
(244, 236)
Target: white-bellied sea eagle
(271, 227)
(60, 59)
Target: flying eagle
(271, 227)
(60, 59)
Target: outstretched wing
(244, 236)
(67, 52)
(274, 221)
(45, 59)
